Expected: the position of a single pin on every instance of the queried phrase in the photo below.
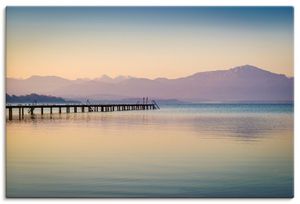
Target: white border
(4, 3)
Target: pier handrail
(155, 104)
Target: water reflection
(156, 154)
(242, 127)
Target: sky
(172, 42)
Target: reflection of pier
(75, 108)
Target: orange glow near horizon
(89, 48)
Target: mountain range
(242, 83)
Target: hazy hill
(36, 84)
(243, 83)
(35, 98)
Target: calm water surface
(179, 151)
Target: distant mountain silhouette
(108, 79)
(243, 83)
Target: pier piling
(10, 113)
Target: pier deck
(75, 108)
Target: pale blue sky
(75, 42)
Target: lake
(199, 150)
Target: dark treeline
(35, 98)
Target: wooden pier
(32, 109)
